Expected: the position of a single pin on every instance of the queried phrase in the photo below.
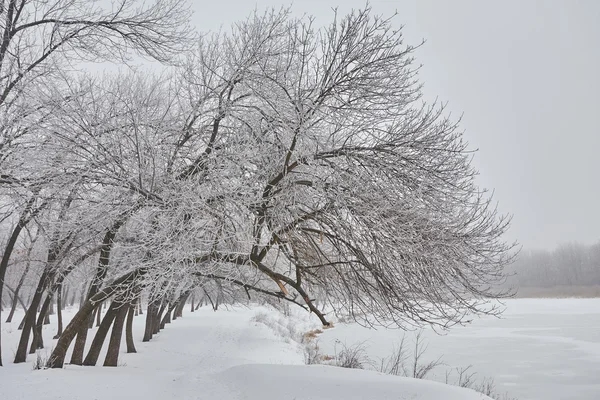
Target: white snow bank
(209, 355)
(319, 382)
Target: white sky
(526, 75)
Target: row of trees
(571, 264)
(275, 161)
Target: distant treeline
(568, 265)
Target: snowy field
(540, 350)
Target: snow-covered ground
(208, 355)
(542, 349)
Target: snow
(208, 355)
(539, 350)
(319, 382)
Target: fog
(524, 76)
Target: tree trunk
(57, 358)
(96, 347)
(65, 297)
(181, 305)
(77, 324)
(114, 345)
(73, 293)
(48, 276)
(15, 300)
(79, 347)
(101, 269)
(59, 308)
(175, 309)
(22, 323)
(129, 329)
(150, 316)
(98, 315)
(29, 321)
(38, 339)
(192, 306)
(156, 320)
(16, 297)
(210, 299)
(47, 315)
(94, 316)
(50, 311)
(166, 319)
(24, 219)
(81, 297)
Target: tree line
(276, 161)
(571, 264)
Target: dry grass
(310, 335)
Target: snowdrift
(319, 382)
(210, 355)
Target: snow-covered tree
(339, 176)
(278, 160)
(41, 42)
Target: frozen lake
(541, 349)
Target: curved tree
(280, 161)
(335, 175)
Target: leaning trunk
(156, 320)
(79, 347)
(166, 319)
(59, 308)
(98, 315)
(150, 317)
(129, 330)
(101, 269)
(57, 358)
(181, 305)
(29, 322)
(16, 297)
(96, 347)
(10, 246)
(112, 355)
(38, 339)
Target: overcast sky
(526, 77)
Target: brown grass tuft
(308, 336)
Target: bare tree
(38, 38)
(279, 161)
(352, 184)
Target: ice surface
(541, 349)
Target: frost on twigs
(281, 163)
